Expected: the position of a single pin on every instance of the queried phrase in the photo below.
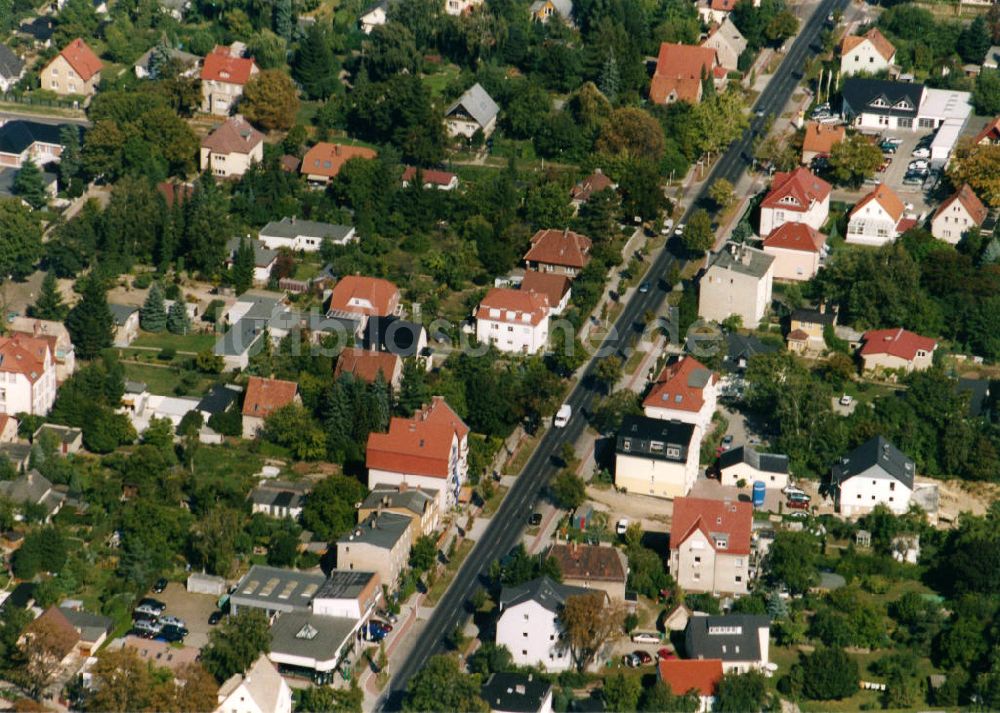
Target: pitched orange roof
(821, 138)
(969, 200)
(235, 135)
(366, 365)
(883, 46)
(559, 247)
(683, 675)
(24, 354)
(679, 70)
(681, 386)
(325, 159)
(357, 294)
(795, 236)
(990, 134)
(263, 396)
(713, 518)
(82, 59)
(796, 190)
(221, 65)
(551, 284)
(515, 306)
(885, 197)
(723, 5)
(430, 175)
(896, 342)
(420, 445)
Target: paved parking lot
(194, 609)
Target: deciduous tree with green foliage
(854, 159)
(698, 235)
(621, 693)
(568, 489)
(270, 100)
(791, 560)
(442, 686)
(741, 693)
(330, 510)
(236, 644)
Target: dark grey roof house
(34, 488)
(880, 97)
(395, 336)
(654, 438)
(875, 458)
(979, 395)
(280, 499)
(512, 692)
(763, 462)
(548, 593)
(741, 641)
(11, 67)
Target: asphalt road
(504, 530)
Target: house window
(524, 634)
(904, 123)
(526, 617)
(673, 453)
(697, 560)
(739, 578)
(892, 485)
(697, 576)
(925, 123)
(524, 652)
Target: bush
(213, 311)
(142, 281)
(167, 354)
(829, 673)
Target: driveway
(194, 609)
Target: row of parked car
(149, 621)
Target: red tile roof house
(75, 70)
(798, 251)
(430, 450)
(699, 675)
(28, 369)
(554, 286)
(367, 365)
(592, 567)
(432, 178)
(960, 213)
(263, 397)
(224, 73)
(558, 251)
(685, 391)
(359, 297)
(883, 349)
(680, 70)
(594, 183)
(323, 161)
(819, 140)
(710, 545)
(795, 197)
(232, 148)
(878, 218)
(514, 321)
(990, 134)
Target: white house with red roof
(27, 375)
(798, 250)
(224, 73)
(554, 286)
(960, 213)
(795, 197)
(430, 450)
(699, 675)
(432, 178)
(263, 397)
(883, 349)
(515, 321)
(558, 251)
(878, 218)
(684, 391)
(870, 53)
(75, 70)
(710, 545)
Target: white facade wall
(660, 478)
(225, 165)
(701, 418)
(772, 218)
(872, 225)
(726, 292)
(533, 634)
(18, 394)
(953, 223)
(863, 58)
(743, 471)
(698, 567)
(860, 494)
(513, 337)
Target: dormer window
(673, 453)
(880, 102)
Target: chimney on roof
(402, 487)
(822, 306)
(521, 690)
(336, 149)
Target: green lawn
(439, 587)
(437, 81)
(164, 380)
(192, 343)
